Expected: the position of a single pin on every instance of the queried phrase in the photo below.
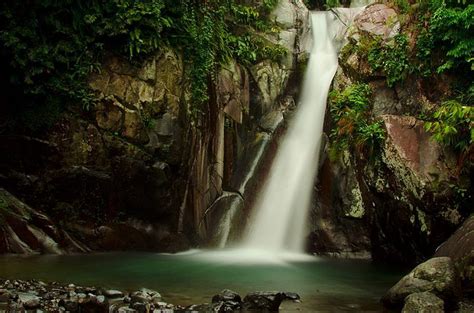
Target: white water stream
(279, 220)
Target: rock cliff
(405, 200)
(140, 163)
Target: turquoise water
(324, 285)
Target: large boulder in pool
(267, 300)
(437, 275)
(423, 302)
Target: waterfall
(281, 212)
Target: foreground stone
(20, 295)
(267, 300)
(437, 275)
(423, 302)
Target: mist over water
(278, 224)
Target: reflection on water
(194, 277)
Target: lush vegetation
(436, 39)
(445, 44)
(449, 29)
(453, 125)
(354, 125)
(49, 47)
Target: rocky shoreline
(38, 296)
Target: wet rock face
(399, 199)
(340, 213)
(437, 275)
(137, 154)
(24, 230)
(142, 104)
(413, 155)
(272, 78)
(233, 91)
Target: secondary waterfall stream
(281, 212)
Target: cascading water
(278, 224)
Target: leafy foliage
(453, 124)
(392, 58)
(445, 41)
(451, 27)
(350, 110)
(50, 47)
(212, 34)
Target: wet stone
(140, 307)
(113, 294)
(226, 295)
(32, 304)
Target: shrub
(453, 125)
(354, 126)
(392, 58)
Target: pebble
(113, 293)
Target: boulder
(423, 302)
(267, 300)
(379, 20)
(437, 275)
(460, 248)
(460, 244)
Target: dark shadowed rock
(145, 295)
(423, 302)
(200, 308)
(70, 305)
(460, 248)
(226, 295)
(460, 244)
(140, 307)
(267, 300)
(437, 275)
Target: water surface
(324, 285)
